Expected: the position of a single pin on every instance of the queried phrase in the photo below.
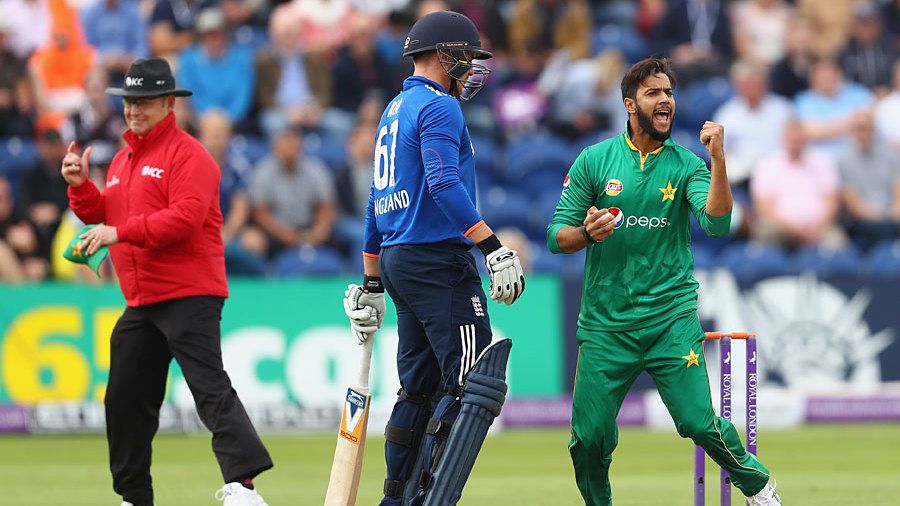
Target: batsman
(421, 222)
(628, 200)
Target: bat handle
(364, 363)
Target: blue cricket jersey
(424, 185)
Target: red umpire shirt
(162, 195)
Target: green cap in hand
(74, 252)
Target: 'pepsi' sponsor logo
(565, 187)
(617, 213)
(649, 222)
(646, 222)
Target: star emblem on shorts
(692, 358)
(668, 192)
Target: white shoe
(126, 503)
(235, 494)
(766, 497)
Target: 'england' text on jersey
(423, 171)
(392, 202)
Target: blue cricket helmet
(457, 42)
(443, 28)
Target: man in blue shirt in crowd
(218, 69)
(420, 223)
(118, 32)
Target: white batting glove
(373, 296)
(363, 319)
(365, 311)
(507, 276)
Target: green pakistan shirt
(642, 274)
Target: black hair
(641, 71)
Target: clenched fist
(712, 135)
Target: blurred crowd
(287, 96)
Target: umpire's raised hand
(75, 167)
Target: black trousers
(144, 341)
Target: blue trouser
(443, 326)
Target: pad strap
(399, 435)
(417, 399)
(425, 479)
(393, 489)
(438, 427)
(455, 390)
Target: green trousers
(672, 353)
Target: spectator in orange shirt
(61, 66)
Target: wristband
(587, 236)
(489, 245)
(372, 284)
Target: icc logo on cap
(134, 81)
(614, 187)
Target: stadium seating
(251, 147)
(505, 207)
(621, 13)
(622, 38)
(545, 262)
(883, 261)
(573, 264)
(698, 101)
(541, 212)
(751, 261)
(827, 262)
(691, 141)
(241, 263)
(714, 244)
(484, 179)
(704, 256)
(16, 155)
(257, 38)
(486, 163)
(531, 157)
(328, 148)
(308, 261)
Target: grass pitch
(819, 465)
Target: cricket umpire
(159, 214)
(421, 222)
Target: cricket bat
(351, 441)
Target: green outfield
(818, 465)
